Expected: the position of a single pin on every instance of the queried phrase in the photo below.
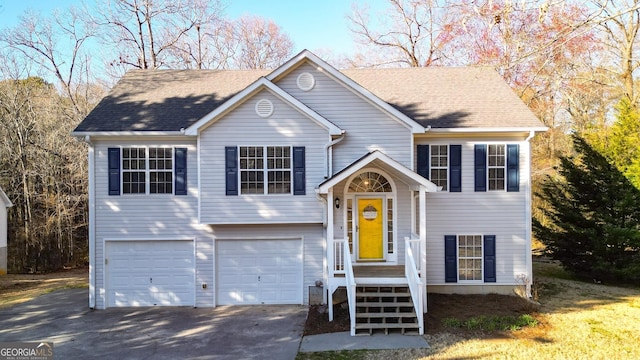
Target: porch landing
(378, 271)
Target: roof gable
(308, 56)
(247, 93)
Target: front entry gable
(380, 160)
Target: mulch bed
(440, 307)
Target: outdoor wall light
(337, 201)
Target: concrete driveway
(229, 332)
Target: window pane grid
(265, 169)
(496, 160)
(160, 170)
(469, 257)
(134, 170)
(439, 165)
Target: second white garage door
(251, 272)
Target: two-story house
(211, 188)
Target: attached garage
(150, 273)
(250, 272)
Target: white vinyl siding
(242, 127)
(157, 217)
(470, 212)
(367, 127)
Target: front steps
(385, 308)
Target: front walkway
(343, 341)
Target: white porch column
(423, 243)
(329, 255)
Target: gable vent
(306, 81)
(264, 108)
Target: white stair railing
(411, 271)
(351, 286)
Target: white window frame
(265, 169)
(502, 167)
(439, 167)
(147, 170)
(480, 258)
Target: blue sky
(311, 24)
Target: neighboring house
(5, 203)
(212, 188)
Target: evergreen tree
(592, 223)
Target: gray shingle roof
(168, 100)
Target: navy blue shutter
(513, 171)
(489, 258)
(480, 166)
(114, 171)
(455, 168)
(423, 160)
(450, 259)
(231, 169)
(180, 169)
(299, 183)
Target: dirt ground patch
(576, 320)
(18, 288)
(441, 307)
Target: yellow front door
(370, 229)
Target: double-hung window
(439, 165)
(497, 161)
(147, 170)
(469, 257)
(265, 169)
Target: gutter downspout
(92, 223)
(528, 215)
(328, 153)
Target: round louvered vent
(264, 108)
(306, 81)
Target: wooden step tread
(386, 315)
(383, 294)
(384, 304)
(387, 326)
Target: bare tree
(411, 33)
(144, 31)
(57, 45)
(620, 21)
(259, 43)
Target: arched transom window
(370, 182)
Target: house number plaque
(369, 213)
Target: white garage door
(150, 273)
(259, 272)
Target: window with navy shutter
(455, 168)
(265, 170)
(470, 258)
(180, 163)
(480, 167)
(114, 171)
(423, 160)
